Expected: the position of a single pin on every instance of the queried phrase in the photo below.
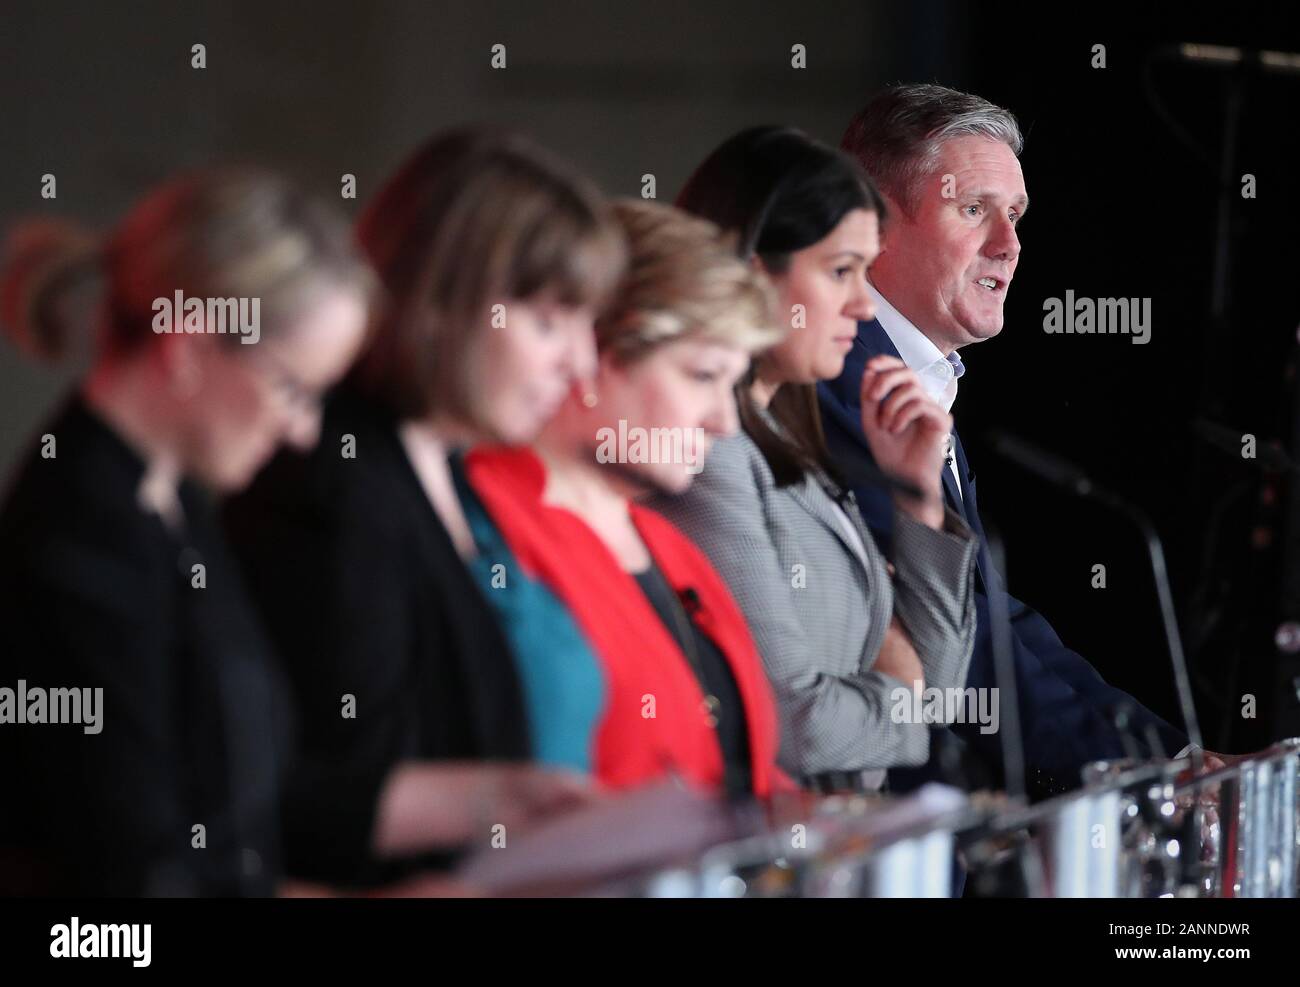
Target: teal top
(563, 684)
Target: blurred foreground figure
(367, 558)
(145, 737)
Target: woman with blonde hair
(151, 746)
(686, 694)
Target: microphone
(1004, 670)
(1226, 440)
(1064, 474)
(1229, 57)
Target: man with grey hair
(947, 165)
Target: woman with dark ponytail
(141, 725)
(843, 639)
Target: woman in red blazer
(686, 693)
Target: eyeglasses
(296, 395)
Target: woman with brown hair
(231, 302)
(494, 258)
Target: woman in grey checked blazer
(845, 635)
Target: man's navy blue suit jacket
(1066, 708)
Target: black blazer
(1066, 707)
(365, 596)
(97, 593)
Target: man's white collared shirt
(937, 370)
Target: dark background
(103, 96)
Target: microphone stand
(1065, 475)
(1004, 672)
(1059, 473)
